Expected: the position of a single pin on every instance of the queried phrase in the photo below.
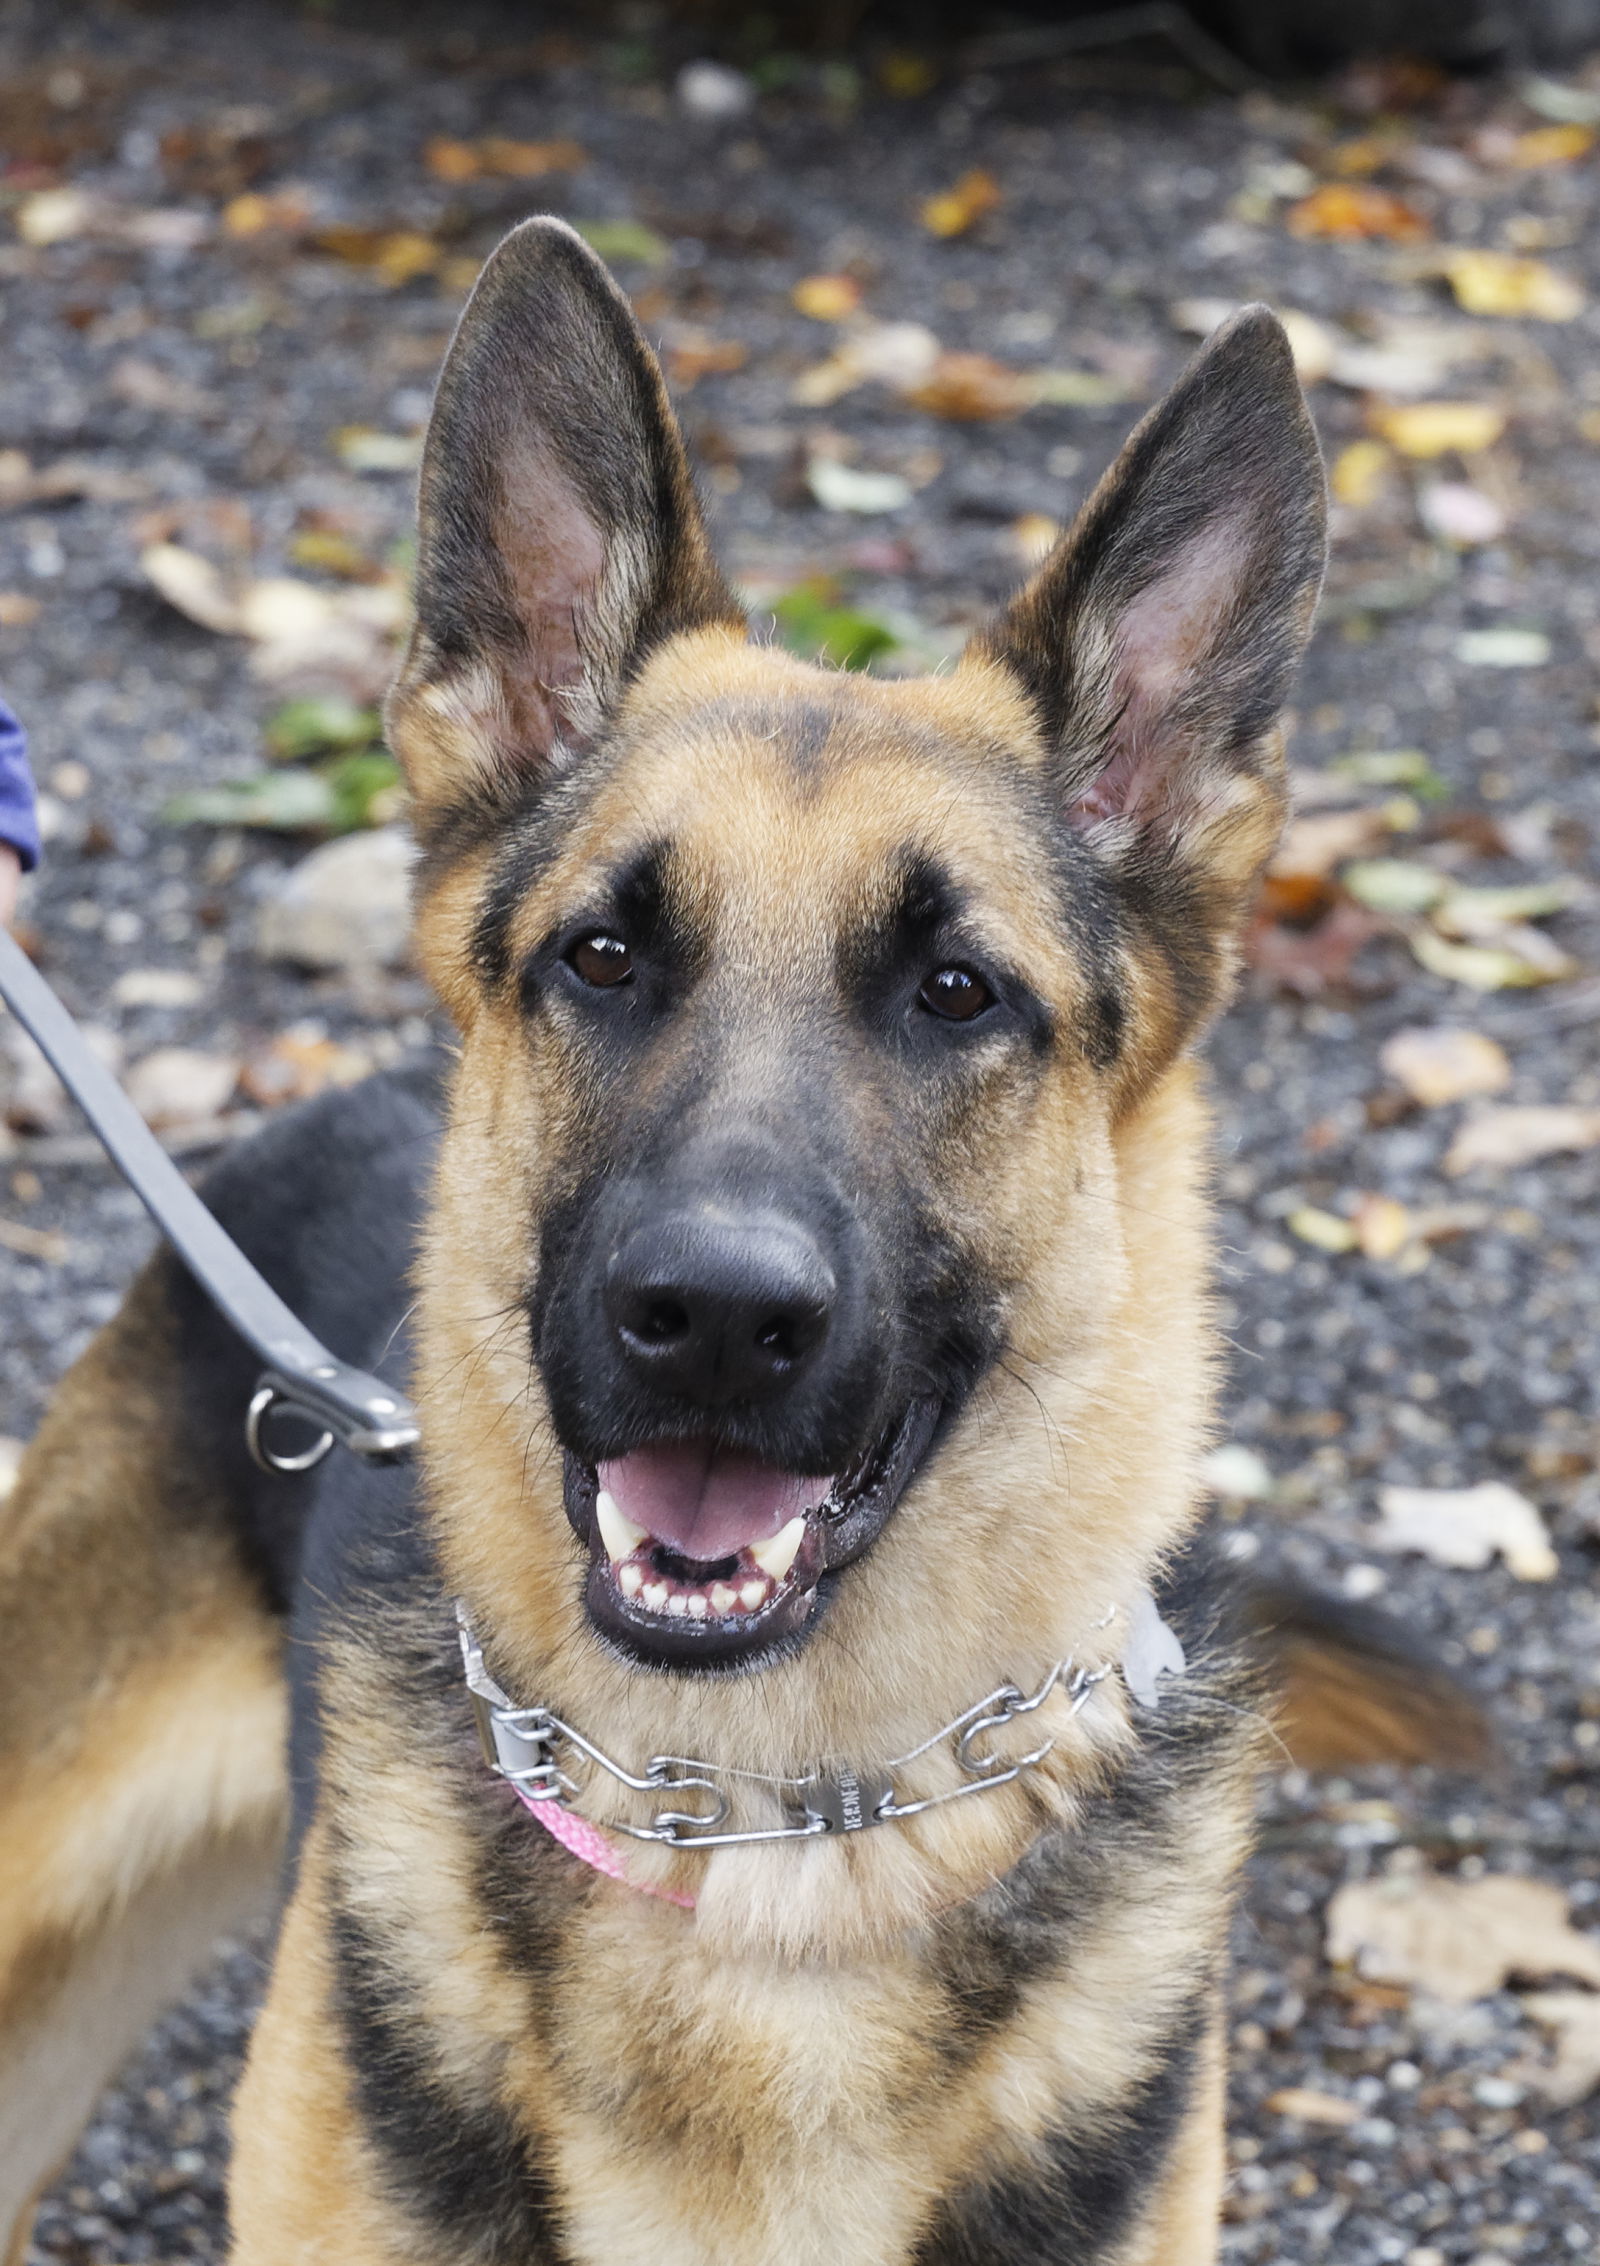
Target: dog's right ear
(559, 535)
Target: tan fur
(141, 1746)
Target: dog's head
(808, 1022)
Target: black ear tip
(1252, 338)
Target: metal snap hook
(264, 1400)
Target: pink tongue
(706, 1502)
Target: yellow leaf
(1552, 145)
(405, 255)
(1034, 536)
(827, 298)
(1358, 473)
(1500, 283)
(1383, 1227)
(1326, 1231)
(1433, 428)
(954, 211)
(1523, 958)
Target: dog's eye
(956, 994)
(601, 960)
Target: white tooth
(753, 1593)
(678, 1604)
(776, 1555)
(696, 1607)
(619, 1534)
(630, 1579)
(723, 1599)
(655, 1595)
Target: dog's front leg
(1180, 2227)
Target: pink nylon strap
(589, 1843)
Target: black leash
(299, 1376)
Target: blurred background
(913, 271)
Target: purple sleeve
(19, 820)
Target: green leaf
(365, 789)
(625, 240)
(1393, 885)
(1394, 767)
(303, 728)
(812, 622)
(284, 802)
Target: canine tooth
(696, 1606)
(777, 1554)
(723, 1599)
(678, 1604)
(619, 1534)
(630, 1579)
(655, 1595)
(753, 1593)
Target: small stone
(179, 1085)
(712, 90)
(157, 987)
(346, 906)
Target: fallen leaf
(289, 801)
(450, 160)
(693, 354)
(1394, 885)
(971, 388)
(814, 622)
(1079, 389)
(1325, 1231)
(1426, 429)
(180, 1085)
(1392, 767)
(332, 553)
(1552, 145)
(192, 586)
(1360, 472)
(1454, 512)
(1306, 934)
(1502, 1139)
(1034, 536)
(1382, 1227)
(1502, 283)
(1506, 648)
(1466, 1526)
(147, 386)
(625, 240)
(1311, 2107)
(299, 1063)
(827, 298)
(1574, 2072)
(397, 255)
(1353, 210)
(955, 210)
(286, 212)
(360, 448)
(527, 161)
(1458, 1940)
(1487, 912)
(329, 725)
(22, 483)
(1236, 1473)
(1325, 839)
(18, 609)
(1520, 958)
(1445, 1065)
(157, 987)
(841, 487)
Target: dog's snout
(719, 1307)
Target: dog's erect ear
(559, 536)
(1158, 640)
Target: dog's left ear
(559, 536)
(1158, 641)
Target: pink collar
(590, 1844)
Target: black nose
(719, 1306)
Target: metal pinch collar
(526, 1744)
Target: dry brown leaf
(1458, 1940)
(1467, 1527)
(21, 483)
(955, 210)
(300, 1063)
(1426, 429)
(1574, 2017)
(1499, 1140)
(971, 389)
(398, 255)
(1353, 210)
(193, 586)
(1502, 283)
(1438, 1066)
(827, 298)
(180, 1085)
(450, 160)
(693, 354)
(251, 213)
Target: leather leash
(299, 1375)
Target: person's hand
(10, 875)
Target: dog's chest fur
(559, 2071)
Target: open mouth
(704, 1555)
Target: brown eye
(601, 960)
(956, 994)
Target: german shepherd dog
(809, 1248)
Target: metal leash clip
(300, 1375)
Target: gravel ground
(208, 369)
